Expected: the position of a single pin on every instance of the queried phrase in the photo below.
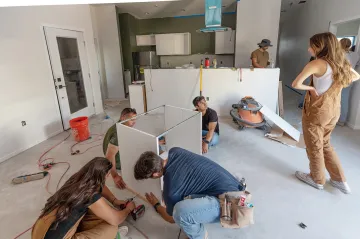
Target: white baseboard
(355, 127)
(18, 151)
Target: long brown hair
(345, 44)
(327, 47)
(78, 190)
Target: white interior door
(70, 72)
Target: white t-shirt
(323, 83)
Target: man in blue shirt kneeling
(191, 176)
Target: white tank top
(323, 83)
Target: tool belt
(236, 209)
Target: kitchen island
(222, 87)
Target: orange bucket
(80, 128)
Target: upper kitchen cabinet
(145, 40)
(225, 42)
(173, 44)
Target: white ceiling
(288, 5)
(170, 8)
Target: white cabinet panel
(173, 44)
(225, 42)
(145, 40)
(137, 98)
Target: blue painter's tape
(188, 16)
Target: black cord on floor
(179, 234)
(57, 186)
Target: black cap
(264, 43)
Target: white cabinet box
(145, 40)
(173, 44)
(225, 42)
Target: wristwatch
(156, 206)
(206, 141)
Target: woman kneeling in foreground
(79, 209)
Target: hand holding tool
(137, 212)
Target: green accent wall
(201, 43)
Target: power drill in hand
(137, 212)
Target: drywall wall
(256, 20)
(128, 30)
(105, 18)
(348, 29)
(27, 91)
(174, 61)
(299, 25)
(201, 43)
(223, 87)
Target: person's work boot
(306, 178)
(342, 186)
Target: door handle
(61, 86)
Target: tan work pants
(87, 227)
(319, 119)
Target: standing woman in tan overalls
(330, 72)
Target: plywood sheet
(132, 143)
(280, 122)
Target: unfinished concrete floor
(281, 201)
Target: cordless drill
(137, 212)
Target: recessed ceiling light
(301, 2)
(146, 13)
(183, 10)
(156, 5)
(223, 5)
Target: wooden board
(277, 120)
(132, 143)
(281, 101)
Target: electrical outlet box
(23, 123)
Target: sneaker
(306, 178)
(342, 186)
(342, 124)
